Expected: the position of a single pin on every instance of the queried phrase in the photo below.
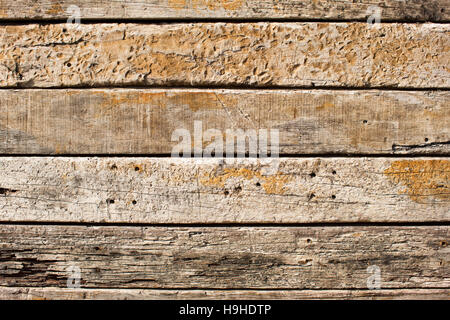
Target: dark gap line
(242, 87)
(182, 20)
(281, 156)
(230, 225)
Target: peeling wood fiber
(224, 258)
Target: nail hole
(96, 248)
(134, 202)
(226, 192)
(443, 243)
(113, 167)
(364, 121)
(258, 184)
(334, 172)
(69, 64)
(109, 201)
(64, 30)
(312, 174)
(426, 139)
(136, 168)
(308, 240)
(333, 197)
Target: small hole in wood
(312, 174)
(226, 192)
(109, 201)
(311, 195)
(334, 172)
(68, 64)
(136, 169)
(258, 184)
(365, 121)
(308, 240)
(64, 30)
(443, 243)
(134, 202)
(113, 167)
(333, 197)
(238, 189)
(426, 139)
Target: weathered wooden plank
(225, 257)
(32, 293)
(177, 190)
(129, 121)
(226, 54)
(432, 10)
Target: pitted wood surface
(226, 54)
(230, 257)
(158, 190)
(418, 10)
(53, 293)
(128, 121)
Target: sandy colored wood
(165, 190)
(225, 257)
(129, 121)
(226, 54)
(30, 293)
(432, 10)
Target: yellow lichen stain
(197, 101)
(274, 184)
(231, 5)
(324, 106)
(422, 178)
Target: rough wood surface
(143, 190)
(53, 293)
(431, 10)
(226, 54)
(128, 121)
(225, 257)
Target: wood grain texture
(226, 54)
(54, 293)
(128, 121)
(225, 257)
(178, 190)
(432, 10)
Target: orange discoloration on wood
(325, 105)
(422, 178)
(274, 184)
(55, 9)
(210, 4)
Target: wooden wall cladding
(87, 116)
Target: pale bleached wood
(225, 257)
(128, 121)
(431, 10)
(178, 190)
(226, 54)
(53, 293)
